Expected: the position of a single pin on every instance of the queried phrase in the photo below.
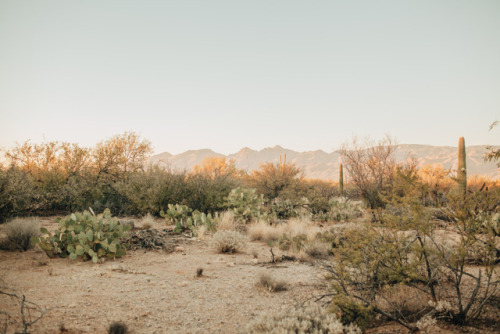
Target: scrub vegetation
(414, 246)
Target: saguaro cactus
(341, 180)
(462, 168)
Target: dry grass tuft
(19, 233)
(317, 249)
(271, 284)
(228, 241)
(227, 222)
(147, 222)
(404, 300)
(262, 230)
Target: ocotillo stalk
(461, 169)
(341, 181)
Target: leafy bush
(85, 235)
(245, 204)
(228, 241)
(20, 231)
(307, 318)
(18, 193)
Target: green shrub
(20, 231)
(87, 236)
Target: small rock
(179, 249)
(230, 264)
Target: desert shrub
(206, 193)
(86, 235)
(18, 193)
(335, 235)
(20, 231)
(228, 241)
(306, 318)
(271, 284)
(342, 209)
(273, 180)
(285, 208)
(118, 327)
(318, 193)
(406, 248)
(370, 168)
(245, 204)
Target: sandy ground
(155, 291)
(159, 291)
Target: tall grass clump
(228, 241)
(19, 233)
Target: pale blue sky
(305, 75)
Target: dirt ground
(159, 292)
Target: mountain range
(322, 165)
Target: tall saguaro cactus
(341, 180)
(462, 168)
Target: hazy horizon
(225, 75)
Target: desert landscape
(323, 167)
(397, 249)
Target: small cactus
(341, 180)
(461, 169)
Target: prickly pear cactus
(85, 235)
(245, 204)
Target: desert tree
(275, 180)
(216, 167)
(408, 266)
(370, 167)
(121, 154)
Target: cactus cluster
(85, 235)
(245, 204)
(185, 219)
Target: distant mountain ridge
(325, 166)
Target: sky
(193, 74)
